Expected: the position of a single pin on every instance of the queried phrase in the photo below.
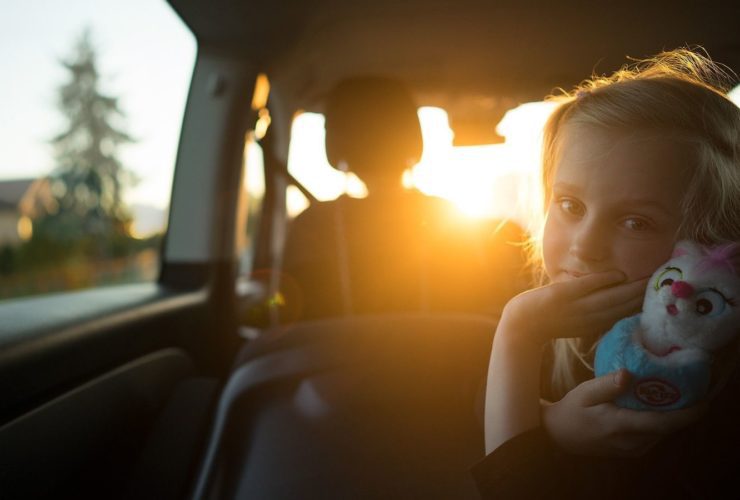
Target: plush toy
(690, 311)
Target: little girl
(632, 163)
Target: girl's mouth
(672, 309)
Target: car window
(499, 181)
(252, 199)
(88, 137)
(483, 181)
(308, 164)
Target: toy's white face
(691, 302)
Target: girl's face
(614, 203)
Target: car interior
(215, 381)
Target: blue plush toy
(689, 312)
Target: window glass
(308, 164)
(89, 129)
(486, 181)
(296, 201)
(252, 200)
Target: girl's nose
(681, 289)
(588, 244)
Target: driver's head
(372, 125)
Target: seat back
(353, 408)
(362, 257)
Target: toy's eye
(703, 306)
(710, 303)
(668, 276)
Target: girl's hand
(586, 305)
(587, 422)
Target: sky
(146, 57)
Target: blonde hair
(682, 94)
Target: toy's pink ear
(727, 255)
(686, 247)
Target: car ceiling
(474, 58)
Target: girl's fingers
(599, 320)
(586, 284)
(635, 445)
(597, 314)
(614, 296)
(655, 422)
(602, 389)
(603, 320)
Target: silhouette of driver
(397, 250)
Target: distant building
(21, 201)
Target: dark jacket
(700, 461)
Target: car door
(107, 391)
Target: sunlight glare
(734, 95)
(307, 158)
(254, 181)
(494, 181)
(295, 201)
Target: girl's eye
(571, 207)
(667, 277)
(635, 224)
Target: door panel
(81, 402)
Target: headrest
(372, 122)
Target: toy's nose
(681, 289)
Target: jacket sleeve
(698, 461)
(527, 466)
(531, 466)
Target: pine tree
(89, 179)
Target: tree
(89, 179)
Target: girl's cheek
(553, 240)
(641, 262)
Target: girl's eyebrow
(564, 186)
(649, 204)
